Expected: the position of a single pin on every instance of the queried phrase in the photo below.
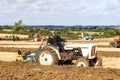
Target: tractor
(81, 55)
(115, 43)
(36, 37)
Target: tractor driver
(56, 40)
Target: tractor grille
(93, 51)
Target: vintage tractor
(83, 55)
(39, 38)
(36, 37)
(79, 54)
(115, 43)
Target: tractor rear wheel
(47, 56)
(82, 62)
(118, 44)
(113, 45)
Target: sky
(60, 12)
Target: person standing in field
(13, 37)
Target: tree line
(66, 31)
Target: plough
(27, 55)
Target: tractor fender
(56, 50)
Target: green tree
(19, 27)
(1, 27)
(117, 31)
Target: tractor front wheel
(96, 61)
(113, 45)
(82, 62)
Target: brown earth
(33, 71)
(20, 70)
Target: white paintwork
(86, 49)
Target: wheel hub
(46, 59)
(81, 64)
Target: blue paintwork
(32, 57)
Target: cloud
(57, 10)
(113, 5)
(48, 6)
(11, 6)
(48, 9)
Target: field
(20, 70)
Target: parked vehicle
(115, 43)
(89, 38)
(36, 37)
(39, 38)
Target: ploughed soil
(32, 71)
(28, 70)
